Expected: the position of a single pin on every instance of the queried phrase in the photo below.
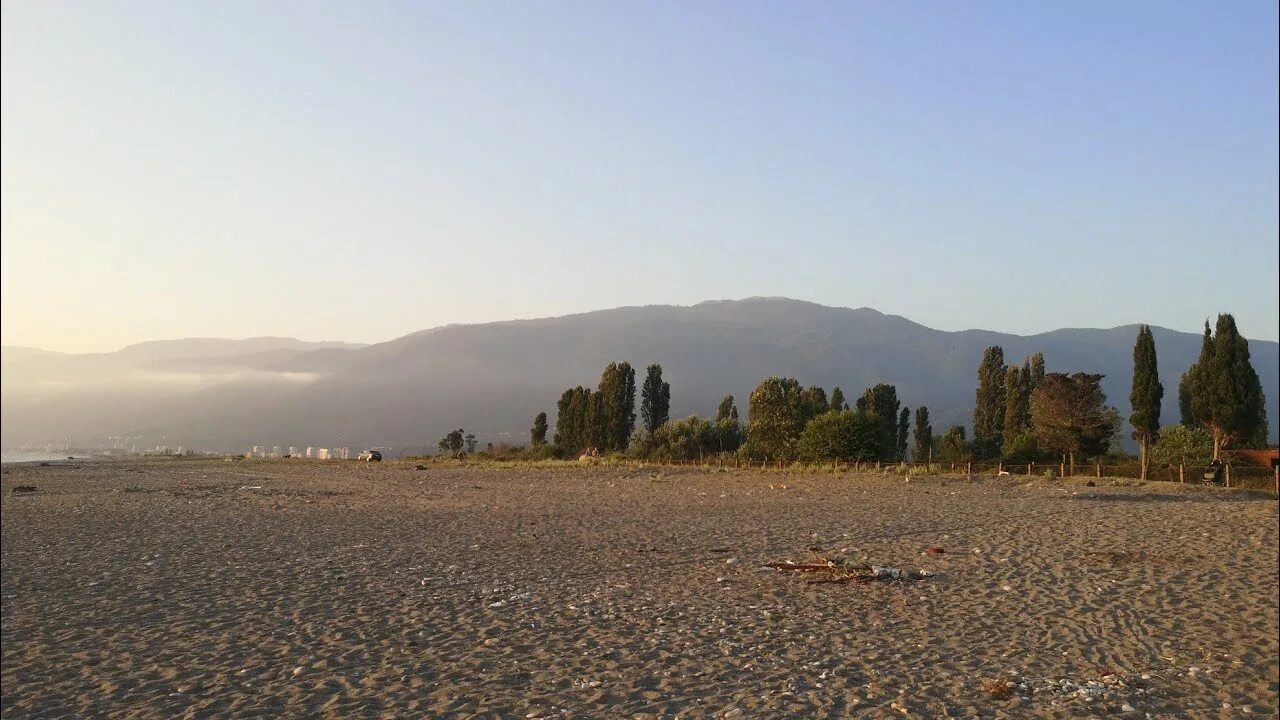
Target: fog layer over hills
(493, 378)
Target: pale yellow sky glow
(360, 171)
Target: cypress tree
(1197, 401)
(923, 450)
(988, 407)
(1185, 416)
(1226, 394)
(904, 429)
(655, 399)
(538, 433)
(837, 400)
(1145, 396)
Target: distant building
(293, 451)
(311, 452)
(323, 453)
(342, 454)
(275, 451)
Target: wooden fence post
(1062, 469)
(968, 469)
(1275, 471)
(1030, 467)
(1099, 471)
(1182, 473)
(1226, 469)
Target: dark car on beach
(370, 456)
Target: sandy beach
(178, 588)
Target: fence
(1245, 476)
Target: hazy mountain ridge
(493, 377)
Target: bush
(686, 439)
(842, 435)
(1022, 448)
(953, 447)
(1182, 444)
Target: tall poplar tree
(815, 400)
(728, 429)
(988, 406)
(573, 420)
(1017, 405)
(923, 450)
(727, 410)
(1145, 396)
(904, 430)
(837, 400)
(881, 400)
(1037, 369)
(655, 399)
(775, 418)
(617, 392)
(538, 433)
(595, 423)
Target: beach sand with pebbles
(196, 588)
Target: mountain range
(493, 378)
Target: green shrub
(842, 435)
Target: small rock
(731, 561)
(734, 713)
(297, 670)
(1127, 708)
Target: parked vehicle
(370, 456)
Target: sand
(270, 589)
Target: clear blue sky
(362, 170)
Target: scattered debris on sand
(998, 688)
(843, 570)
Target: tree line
(1037, 415)
(1021, 413)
